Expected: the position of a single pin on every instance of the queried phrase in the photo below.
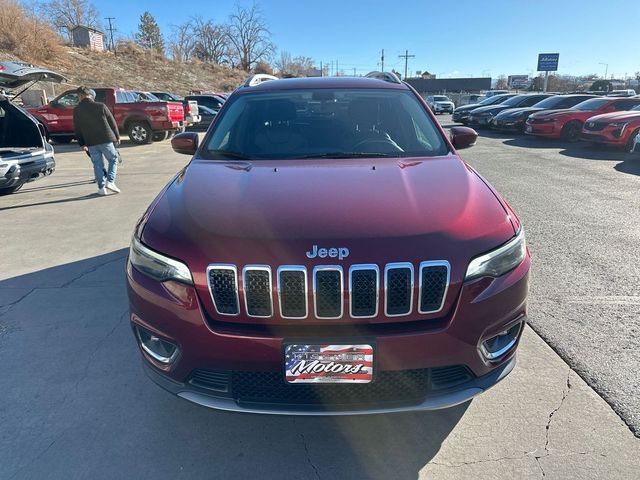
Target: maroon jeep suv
(326, 251)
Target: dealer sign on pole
(547, 62)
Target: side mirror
(185, 143)
(463, 137)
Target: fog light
(495, 347)
(158, 348)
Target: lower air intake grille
(216, 380)
(224, 290)
(405, 386)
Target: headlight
(618, 124)
(499, 261)
(157, 266)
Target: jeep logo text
(341, 253)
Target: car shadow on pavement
(53, 202)
(74, 389)
(27, 188)
(527, 141)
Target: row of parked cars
(609, 120)
(25, 151)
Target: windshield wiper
(351, 155)
(230, 154)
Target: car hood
(212, 205)
(17, 74)
(272, 213)
(555, 113)
(491, 108)
(469, 106)
(615, 116)
(517, 112)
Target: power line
(406, 57)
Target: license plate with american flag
(328, 363)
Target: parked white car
(440, 104)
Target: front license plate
(328, 363)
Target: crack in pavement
(564, 396)
(9, 306)
(97, 347)
(307, 453)
(91, 270)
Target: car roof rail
(385, 76)
(258, 78)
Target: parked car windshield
(325, 123)
(514, 100)
(552, 102)
(440, 98)
(592, 104)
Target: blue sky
(450, 39)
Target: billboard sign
(548, 62)
(518, 81)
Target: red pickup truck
(143, 122)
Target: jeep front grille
(363, 287)
(223, 284)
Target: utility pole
(113, 47)
(337, 71)
(406, 57)
(321, 71)
(354, 71)
(382, 61)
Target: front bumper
(477, 121)
(436, 401)
(483, 308)
(548, 130)
(443, 109)
(609, 136)
(507, 125)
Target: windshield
(551, 102)
(325, 123)
(593, 104)
(514, 100)
(439, 98)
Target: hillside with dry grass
(133, 68)
(25, 37)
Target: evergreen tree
(148, 35)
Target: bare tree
(182, 41)
(502, 84)
(66, 14)
(293, 67)
(283, 62)
(212, 41)
(249, 37)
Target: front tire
(140, 133)
(160, 136)
(571, 131)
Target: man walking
(97, 132)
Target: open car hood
(17, 74)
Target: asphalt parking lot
(75, 402)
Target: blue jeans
(109, 151)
